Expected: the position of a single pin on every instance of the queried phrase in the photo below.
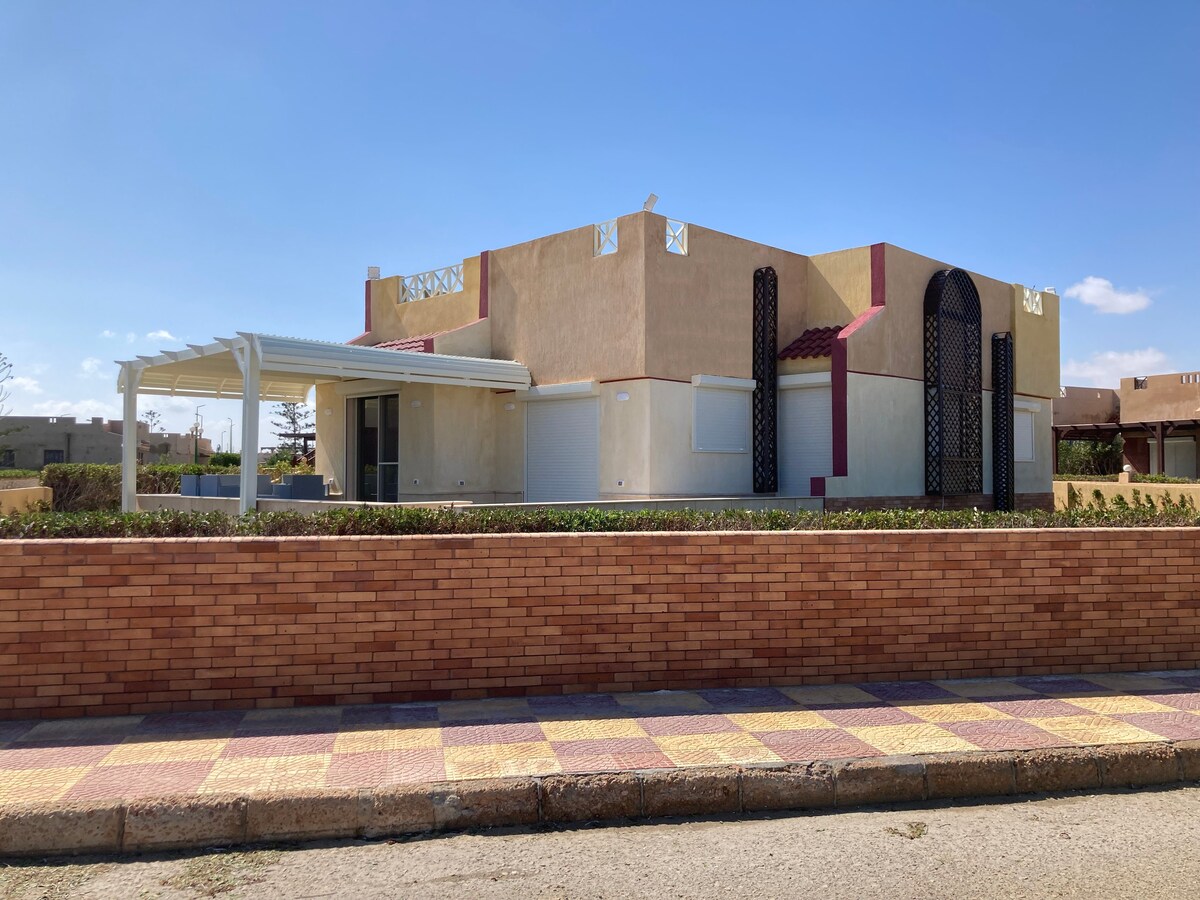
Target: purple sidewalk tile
(908, 690)
(1174, 726)
(133, 781)
(864, 715)
(698, 723)
(1005, 735)
(506, 733)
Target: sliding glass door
(377, 456)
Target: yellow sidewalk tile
(27, 785)
(266, 773)
(663, 701)
(1094, 730)
(590, 729)
(164, 749)
(466, 769)
(516, 751)
(1134, 683)
(901, 739)
(943, 711)
(986, 688)
(1117, 705)
(794, 720)
(831, 693)
(388, 737)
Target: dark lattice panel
(766, 391)
(1003, 476)
(953, 389)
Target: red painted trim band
(367, 307)
(484, 258)
(839, 369)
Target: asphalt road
(1137, 845)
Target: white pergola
(282, 370)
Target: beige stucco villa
(647, 358)
(1158, 416)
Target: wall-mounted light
(329, 412)
(648, 206)
(509, 407)
(623, 396)
(416, 404)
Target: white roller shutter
(805, 438)
(1023, 436)
(562, 450)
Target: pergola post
(1161, 447)
(130, 376)
(248, 482)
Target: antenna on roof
(372, 273)
(648, 206)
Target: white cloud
(90, 368)
(1108, 368)
(26, 385)
(1100, 294)
(162, 335)
(108, 333)
(130, 337)
(80, 409)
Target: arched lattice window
(953, 392)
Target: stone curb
(180, 822)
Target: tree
(5, 375)
(291, 419)
(153, 420)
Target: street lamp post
(197, 428)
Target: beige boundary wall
(23, 499)
(1109, 490)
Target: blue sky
(173, 172)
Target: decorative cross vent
(604, 238)
(434, 283)
(677, 237)
(1033, 302)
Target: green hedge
(19, 473)
(410, 520)
(79, 487)
(1134, 478)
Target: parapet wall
(104, 627)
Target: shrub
(225, 459)
(411, 520)
(80, 487)
(19, 473)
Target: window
(721, 414)
(49, 457)
(8, 459)
(1023, 436)
(1139, 384)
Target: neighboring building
(1158, 416)
(32, 442)
(647, 358)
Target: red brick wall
(112, 626)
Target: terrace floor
(245, 752)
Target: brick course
(107, 627)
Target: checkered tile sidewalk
(376, 746)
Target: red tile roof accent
(421, 343)
(813, 343)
